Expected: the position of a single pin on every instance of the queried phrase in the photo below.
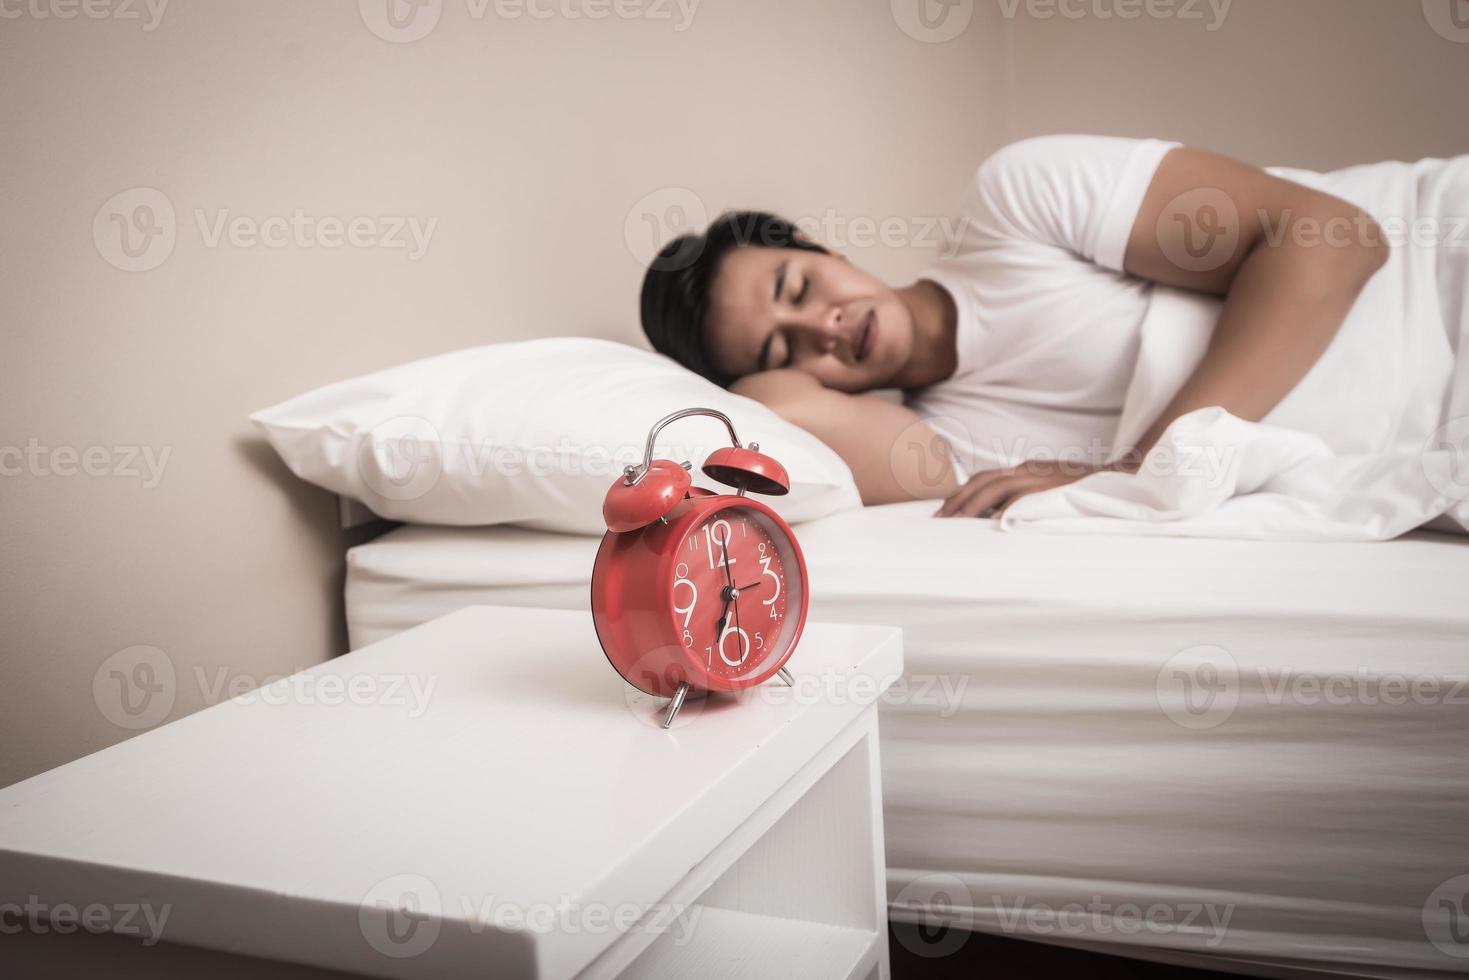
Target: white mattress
(1052, 776)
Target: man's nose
(830, 329)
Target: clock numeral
(713, 538)
(765, 570)
(681, 577)
(733, 647)
(743, 644)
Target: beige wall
(548, 152)
(529, 141)
(1308, 83)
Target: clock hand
(724, 545)
(739, 630)
(729, 577)
(725, 610)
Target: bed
(1248, 755)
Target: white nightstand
(521, 815)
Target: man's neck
(935, 353)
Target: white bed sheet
(1318, 820)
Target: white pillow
(530, 433)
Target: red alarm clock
(695, 591)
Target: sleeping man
(1030, 351)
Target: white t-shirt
(1056, 344)
(1047, 321)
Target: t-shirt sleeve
(1078, 193)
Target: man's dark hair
(675, 301)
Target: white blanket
(1214, 475)
(1372, 443)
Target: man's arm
(892, 452)
(1290, 262)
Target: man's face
(785, 307)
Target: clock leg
(785, 675)
(678, 696)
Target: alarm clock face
(736, 593)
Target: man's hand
(998, 489)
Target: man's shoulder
(1052, 152)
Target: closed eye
(763, 360)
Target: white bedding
(1052, 772)
(1374, 440)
